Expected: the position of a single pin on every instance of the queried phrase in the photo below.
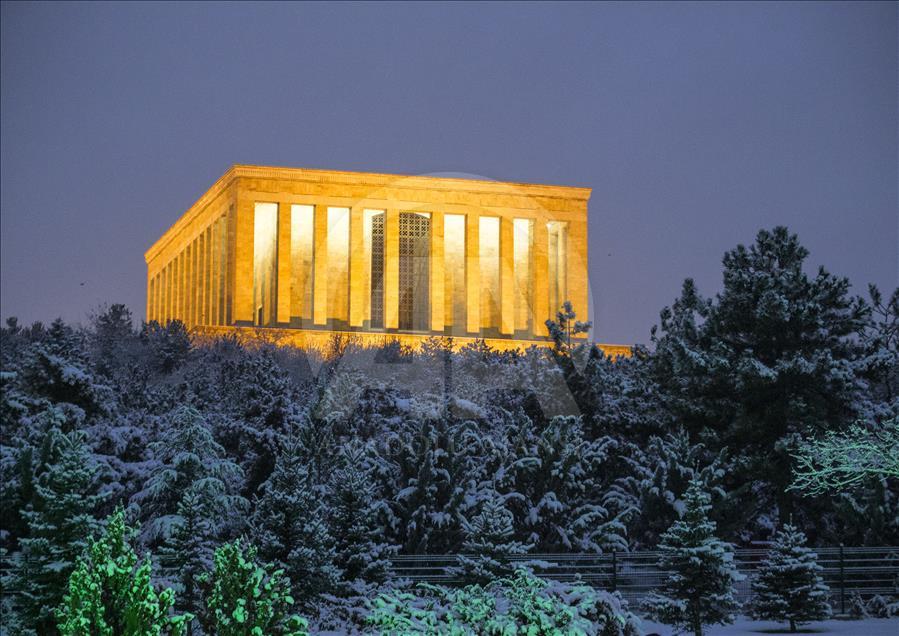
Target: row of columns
(353, 311)
(192, 286)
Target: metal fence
(847, 571)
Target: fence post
(842, 583)
(614, 572)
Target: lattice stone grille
(414, 306)
(377, 271)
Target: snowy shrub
(857, 607)
(877, 606)
(522, 604)
(882, 607)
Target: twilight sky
(695, 125)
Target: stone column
(576, 268)
(166, 293)
(320, 284)
(214, 265)
(194, 296)
(283, 267)
(225, 257)
(186, 287)
(507, 274)
(207, 299)
(473, 272)
(392, 268)
(182, 286)
(242, 283)
(541, 276)
(357, 267)
(151, 288)
(199, 277)
(438, 306)
(192, 282)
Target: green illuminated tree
(110, 594)
(246, 599)
(839, 461)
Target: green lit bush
(248, 599)
(110, 594)
(521, 604)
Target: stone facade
(302, 254)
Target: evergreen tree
(699, 590)
(880, 364)
(566, 496)
(431, 471)
(187, 552)
(788, 585)
(662, 473)
(248, 599)
(56, 368)
(189, 458)
(109, 594)
(16, 492)
(564, 355)
(59, 526)
(290, 527)
(255, 393)
(361, 551)
(168, 344)
(112, 338)
(489, 541)
(770, 359)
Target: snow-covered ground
(865, 627)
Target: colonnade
(324, 266)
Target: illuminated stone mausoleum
(303, 254)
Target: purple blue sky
(695, 125)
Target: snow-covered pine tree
(700, 587)
(59, 527)
(255, 394)
(430, 467)
(489, 540)
(290, 527)
(110, 593)
(112, 340)
(788, 585)
(167, 345)
(188, 458)
(187, 552)
(662, 471)
(566, 496)
(361, 549)
(770, 358)
(56, 368)
(880, 362)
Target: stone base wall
(322, 340)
